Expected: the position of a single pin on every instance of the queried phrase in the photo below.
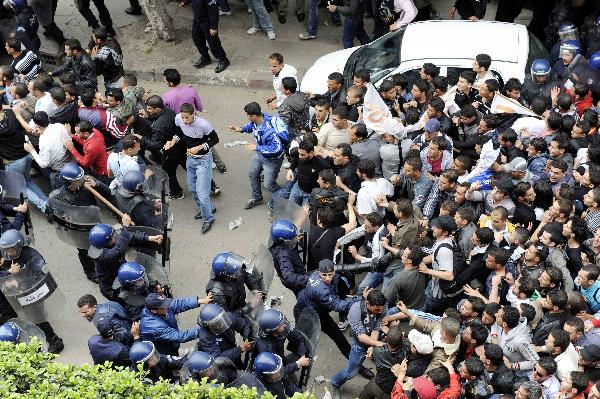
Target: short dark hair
(386, 86)
(346, 149)
(440, 83)
(511, 316)
(21, 89)
(485, 235)
(367, 167)
(187, 108)
(500, 255)
(326, 216)
(289, 83)
(439, 376)
(558, 297)
(431, 69)
(306, 146)
(493, 353)
(416, 254)
(415, 163)
(467, 214)
(340, 111)
(130, 80)
(479, 332)
(527, 286)
(441, 142)
(394, 337)
(451, 175)
(468, 111)
(576, 323)
(527, 311)
(172, 76)
(561, 339)
(87, 299)
(474, 366)
(437, 104)
(555, 275)
(579, 228)
(100, 33)
(277, 57)
(521, 189)
(484, 61)
(592, 271)
(469, 76)
(579, 381)
(405, 206)
(328, 176)
(422, 85)
(13, 43)
(323, 103)
(376, 298)
(74, 45)
(564, 101)
(129, 141)
(363, 74)
(40, 118)
(85, 126)
(492, 85)
(87, 97)
(338, 77)
(512, 84)
(548, 364)
(253, 109)
(155, 102)
(509, 135)
(554, 120)
(117, 94)
(360, 129)
(539, 144)
(58, 94)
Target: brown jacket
(441, 350)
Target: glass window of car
(381, 56)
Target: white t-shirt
(53, 153)
(119, 165)
(365, 199)
(45, 104)
(286, 71)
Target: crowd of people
(458, 244)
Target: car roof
(442, 39)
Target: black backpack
(459, 264)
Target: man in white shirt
(119, 163)
(370, 188)
(481, 67)
(44, 101)
(279, 70)
(543, 372)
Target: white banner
(375, 111)
(504, 105)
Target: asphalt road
(191, 252)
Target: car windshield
(536, 50)
(381, 56)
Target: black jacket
(549, 322)
(471, 8)
(26, 28)
(162, 128)
(12, 137)
(206, 11)
(352, 8)
(84, 70)
(109, 60)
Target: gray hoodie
(517, 346)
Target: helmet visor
(568, 51)
(11, 253)
(233, 265)
(219, 324)
(568, 34)
(140, 285)
(274, 376)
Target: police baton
(28, 226)
(104, 200)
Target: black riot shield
(28, 331)
(156, 181)
(14, 192)
(163, 228)
(73, 223)
(309, 326)
(249, 380)
(33, 293)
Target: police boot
(55, 343)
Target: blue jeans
(284, 192)
(224, 6)
(271, 167)
(260, 16)
(298, 196)
(355, 360)
(374, 280)
(313, 17)
(354, 27)
(34, 193)
(433, 305)
(199, 176)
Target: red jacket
(452, 392)
(94, 155)
(582, 105)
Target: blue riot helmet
(283, 230)
(595, 60)
(133, 276)
(228, 264)
(274, 322)
(11, 243)
(568, 50)
(567, 31)
(133, 182)
(16, 5)
(10, 332)
(540, 68)
(214, 318)
(144, 352)
(201, 364)
(100, 235)
(269, 365)
(71, 173)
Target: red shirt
(94, 155)
(436, 166)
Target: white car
(451, 45)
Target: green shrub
(25, 372)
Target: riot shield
(249, 380)
(73, 223)
(156, 180)
(265, 266)
(309, 326)
(14, 191)
(33, 293)
(288, 210)
(30, 331)
(156, 274)
(164, 227)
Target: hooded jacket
(517, 347)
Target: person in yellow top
(497, 220)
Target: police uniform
(140, 208)
(119, 318)
(284, 387)
(289, 266)
(276, 344)
(231, 293)
(532, 90)
(224, 344)
(206, 17)
(5, 224)
(105, 348)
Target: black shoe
(133, 11)
(206, 226)
(336, 23)
(93, 278)
(301, 16)
(253, 202)
(365, 372)
(111, 31)
(177, 196)
(198, 216)
(49, 213)
(56, 345)
(221, 66)
(282, 19)
(216, 190)
(202, 62)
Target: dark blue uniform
(289, 267)
(5, 224)
(224, 345)
(26, 28)
(120, 320)
(276, 344)
(284, 388)
(206, 17)
(108, 350)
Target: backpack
(386, 11)
(459, 263)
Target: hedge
(26, 372)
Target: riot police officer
(271, 372)
(540, 83)
(104, 347)
(135, 286)
(7, 209)
(107, 249)
(227, 283)
(16, 254)
(92, 311)
(158, 322)
(72, 192)
(19, 331)
(157, 364)
(216, 334)
(132, 201)
(567, 62)
(275, 330)
(286, 259)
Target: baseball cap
(157, 301)
(424, 388)
(517, 165)
(326, 266)
(105, 327)
(432, 125)
(590, 353)
(422, 342)
(445, 223)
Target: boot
(55, 343)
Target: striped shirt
(28, 64)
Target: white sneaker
(249, 11)
(342, 325)
(252, 31)
(221, 13)
(271, 35)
